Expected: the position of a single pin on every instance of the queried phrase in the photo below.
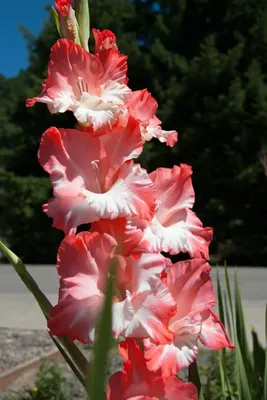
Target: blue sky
(13, 49)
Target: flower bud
(68, 25)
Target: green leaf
(241, 334)
(103, 342)
(45, 306)
(229, 292)
(258, 355)
(265, 369)
(69, 360)
(242, 377)
(220, 299)
(223, 376)
(230, 322)
(55, 18)
(27, 279)
(193, 376)
(265, 378)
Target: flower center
(82, 86)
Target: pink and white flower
(191, 287)
(136, 382)
(142, 306)
(93, 179)
(143, 106)
(79, 82)
(175, 228)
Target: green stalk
(68, 360)
(193, 376)
(45, 305)
(103, 342)
(83, 19)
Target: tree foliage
(205, 62)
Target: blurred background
(205, 62)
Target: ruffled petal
(147, 314)
(174, 190)
(142, 105)
(182, 233)
(114, 63)
(175, 228)
(104, 40)
(191, 286)
(168, 137)
(94, 111)
(115, 92)
(198, 238)
(171, 358)
(132, 193)
(213, 334)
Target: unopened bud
(66, 22)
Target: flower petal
(182, 233)
(83, 262)
(114, 63)
(127, 236)
(122, 144)
(115, 92)
(147, 313)
(136, 382)
(69, 212)
(104, 40)
(191, 286)
(213, 334)
(143, 268)
(131, 194)
(142, 105)
(69, 67)
(171, 358)
(177, 228)
(198, 238)
(68, 156)
(168, 137)
(174, 190)
(175, 389)
(76, 318)
(96, 112)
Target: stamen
(96, 174)
(82, 86)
